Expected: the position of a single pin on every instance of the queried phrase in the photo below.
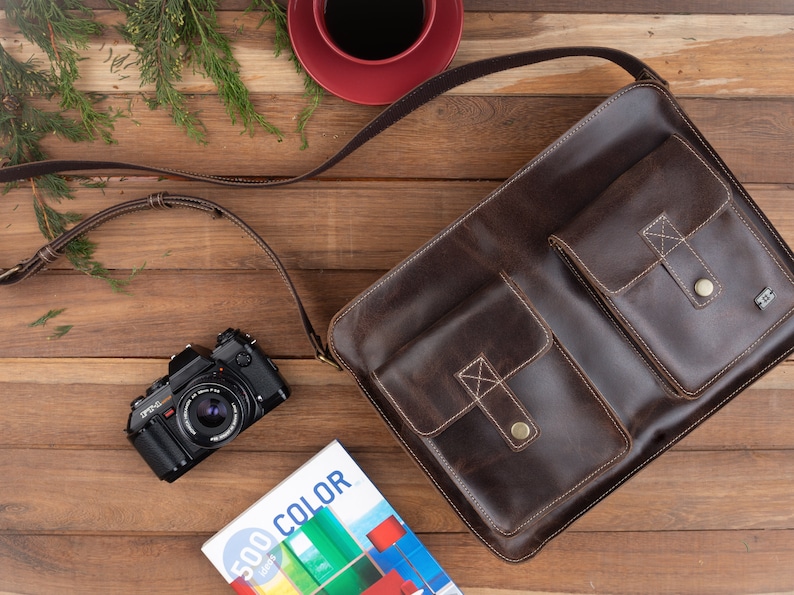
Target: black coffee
(374, 29)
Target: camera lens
(211, 413)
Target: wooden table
(80, 512)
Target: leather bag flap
(464, 360)
(645, 217)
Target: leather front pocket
(668, 252)
(503, 407)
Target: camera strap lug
(322, 353)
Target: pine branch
(169, 35)
(60, 33)
(313, 92)
(42, 320)
(22, 125)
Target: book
(325, 530)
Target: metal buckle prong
(11, 271)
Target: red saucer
(376, 83)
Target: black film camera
(205, 401)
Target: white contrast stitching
(680, 239)
(496, 381)
(548, 340)
(598, 470)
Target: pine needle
(313, 92)
(22, 127)
(41, 321)
(60, 331)
(60, 29)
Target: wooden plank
(490, 138)
(75, 490)
(78, 490)
(135, 372)
(106, 324)
(691, 45)
(97, 565)
(166, 310)
(737, 138)
(752, 420)
(597, 6)
(706, 563)
(321, 397)
(632, 6)
(305, 423)
(352, 225)
(697, 563)
(315, 225)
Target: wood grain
(712, 562)
(79, 510)
(752, 135)
(678, 43)
(604, 6)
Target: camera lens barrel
(213, 411)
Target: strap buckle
(321, 352)
(649, 75)
(327, 359)
(10, 272)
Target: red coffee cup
(374, 51)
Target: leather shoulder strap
(422, 94)
(394, 113)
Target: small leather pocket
(503, 406)
(671, 256)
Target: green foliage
(23, 125)
(61, 29)
(60, 330)
(313, 92)
(169, 35)
(42, 320)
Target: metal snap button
(520, 430)
(704, 287)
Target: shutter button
(704, 287)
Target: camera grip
(158, 449)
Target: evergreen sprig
(22, 127)
(21, 124)
(169, 35)
(60, 29)
(313, 92)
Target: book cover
(325, 530)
